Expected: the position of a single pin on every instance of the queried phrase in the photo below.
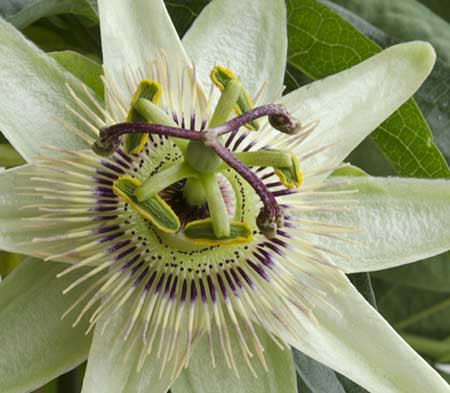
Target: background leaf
(321, 43)
(22, 13)
(84, 68)
(402, 19)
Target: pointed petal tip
(420, 54)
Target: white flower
(162, 299)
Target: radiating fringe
(267, 282)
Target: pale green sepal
(201, 377)
(350, 337)
(134, 33)
(398, 221)
(249, 36)
(36, 345)
(113, 362)
(84, 68)
(352, 103)
(34, 97)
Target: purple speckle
(118, 246)
(124, 155)
(150, 282)
(183, 291)
(141, 277)
(193, 292)
(113, 167)
(212, 289)
(245, 276)
(239, 140)
(222, 286)
(174, 288)
(169, 280)
(258, 269)
(124, 253)
(160, 282)
(106, 174)
(104, 182)
(283, 192)
(100, 231)
(230, 138)
(231, 283)
(110, 237)
(128, 264)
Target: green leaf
(439, 7)
(36, 344)
(84, 68)
(412, 310)
(404, 19)
(184, 12)
(66, 32)
(22, 13)
(321, 43)
(434, 99)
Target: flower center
(203, 157)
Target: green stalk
(269, 158)
(216, 205)
(162, 180)
(226, 103)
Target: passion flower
(205, 230)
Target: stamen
(271, 216)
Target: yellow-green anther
(155, 115)
(162, 180)
(154, 209)
(265, 158)
(216, 206)
(193, 192)
(226, 103)
(201, 232)
(221, 77)
(150, 90)
(291, 176)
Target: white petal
(17, 231)
(34, 97)
(202, 377)
(113, 363)
(351, 104)
(133, 34)
(353, 339)
(401, 221)
(249, 36)
(37, 346)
